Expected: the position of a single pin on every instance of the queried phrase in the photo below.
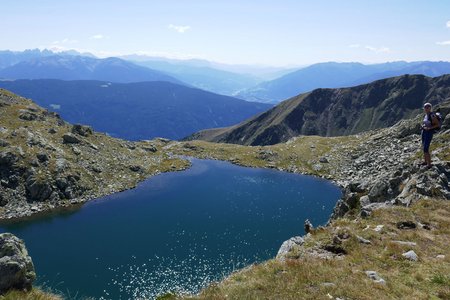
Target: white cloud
(97, 37)
(444, 43)
(179, 29)
(448, 24)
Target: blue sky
(279, 33)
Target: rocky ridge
(384, 170)
(47, 163)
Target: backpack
(439, 119)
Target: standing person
(429, 124)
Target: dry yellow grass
(34, 294)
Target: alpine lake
(175, 232)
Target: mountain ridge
(136, 111)
(342, 111)
(337, 75)
(73, 67)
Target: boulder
(150, 148)
(82, 130)
(70, 138)
(27, 115)
(288, 245)
(308, 226)
(375, 277)
(364, 201)
(8, 158)
(135, 168)
(411, 255)
(379, 191)
(406, 225)
(340, 209)
(16, 267)
(323, 160)
(38, 190)
(42, 156)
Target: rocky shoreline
(47, 164)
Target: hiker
(429, 125)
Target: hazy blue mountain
(136, 111)
(70, 67)
(201, 76)
(258, 71)
(334, 112)
(334, 75)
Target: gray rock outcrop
(16, 267)
(70, 138)
(288, 245)
(381, 172)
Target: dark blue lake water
(174, 232)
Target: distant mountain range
(75, 67)
(9, 58)
(251, 83)
(333, 112)
(203, 77)
(136, 111)
(335, 75)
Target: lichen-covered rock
(16, 267)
